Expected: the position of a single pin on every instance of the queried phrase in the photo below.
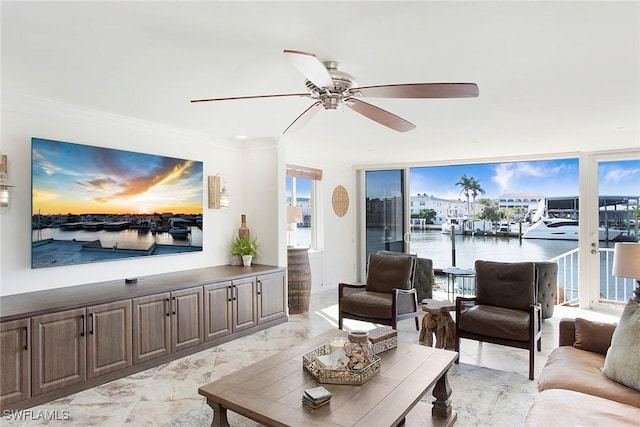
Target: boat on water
(563, 229)
(179, 228)
(455, 223)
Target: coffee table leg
(219, 414)
(442, 393)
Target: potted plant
(246, 248)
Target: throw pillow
(593, 336)
(622, 363)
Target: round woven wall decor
(340, 200)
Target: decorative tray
(338, 376)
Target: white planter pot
(246, 260)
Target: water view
(435, 245)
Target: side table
(438, 321)
(454, 272)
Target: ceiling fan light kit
(331, 87)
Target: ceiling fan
(330, 87)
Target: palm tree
(470, 187)
(466, 183)
(475, 189)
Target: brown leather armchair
(388, 295)
(505, 310)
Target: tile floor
(169, 391)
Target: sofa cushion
(593, 336)
(622, 363)
(572, 369)
(570, 408)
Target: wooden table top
(270, 391)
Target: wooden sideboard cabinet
(61, 341)
(244, 304)
(108, 338)
(272, 297)
(218, 310)
(59, 350)
(15, 361)
(167, 322)
(241, 304)
(187, 318)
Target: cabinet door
(108, 338)
(186, 318)
(151, 327)
(272, 297)
(243, 295)
(58, 350)
(15, 381)
(217, 310)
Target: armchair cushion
(593, 336)
(516, 288)
(368, 304)
(496, 322)
(388, 272)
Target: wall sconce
(6, 188)
(294, 216)
(218, 196)
(626, 263)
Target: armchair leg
(417, 324)
(532, 354)
(340, 320)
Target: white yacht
(456, 223)
(562, 229)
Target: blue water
(437, 246)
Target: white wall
(254, 173)
(24, 118)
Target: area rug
(481, 397)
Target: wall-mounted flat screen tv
(93, 204)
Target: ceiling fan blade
(379, 115)
(311, 67)
(280, 95)
(304, 118)
(420, 90)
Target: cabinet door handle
(233, 292)
(259, 287)
(229, 293)
(26, 338)
(82, 320)
(175, 305)
(168, 308)
(91, 327)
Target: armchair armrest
(405, 301)
(462, 302)
(349, 288)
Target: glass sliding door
(618, 199)
(385, 213)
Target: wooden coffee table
(270, 391)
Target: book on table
(316, 397)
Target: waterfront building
(444, 208)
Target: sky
(551, 178)
(81, 179)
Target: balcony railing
(613, 290)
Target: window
(301, 185)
